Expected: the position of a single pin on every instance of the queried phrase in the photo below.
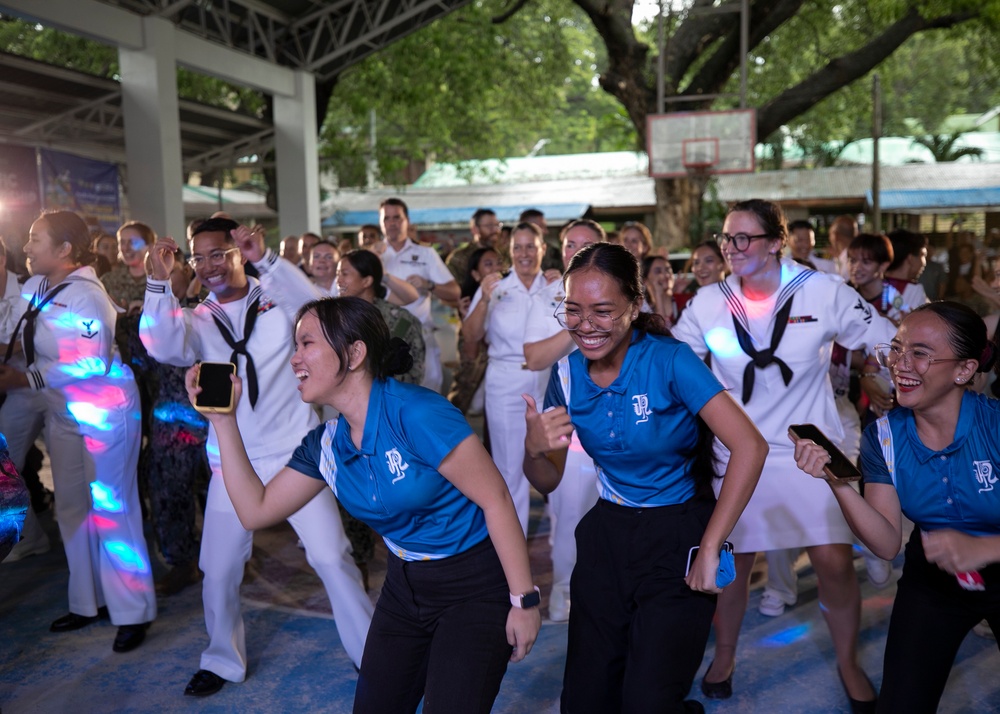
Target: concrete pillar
(152, 129)
(296, 157)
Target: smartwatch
(532, 599)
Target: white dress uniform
(271, 430)
(90, 407)
(507, 378)
(414, 259)
(577, 491)
(788, 508)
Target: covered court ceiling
(47, 105)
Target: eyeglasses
(600, 322)
(217, 257)
(919, 361)
(740, 241)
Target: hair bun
(398, 359)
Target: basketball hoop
(698, 144)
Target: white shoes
(879, 571)
(771, 605)
(559, 607)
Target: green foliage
(34, 41)
(464, 88)
(934, 74)
(942, 146)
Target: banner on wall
(19, 182)
(86, 186)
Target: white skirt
(788, 509)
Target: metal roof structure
(65, 109)
(47, 105)
(324, 37)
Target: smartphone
(693, 553)
(840, 467)
(216, 396)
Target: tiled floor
(785, 664)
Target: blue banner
(86, 186)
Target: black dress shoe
(718, 690)
(130, 636)
(859, 706)
(203, 684)
(72, 621)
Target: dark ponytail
(346, 320)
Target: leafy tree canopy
(470, 87)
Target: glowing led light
(788, 636)
(125, 557)
(179, 413)
(87, 413)
(94, 446)
(102, 523)
(722, 342)
(85, 367)
(104, 499)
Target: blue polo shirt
(957, 487)
(392, 482)
(641, 429)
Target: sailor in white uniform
(249, 323)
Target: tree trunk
(678, 204)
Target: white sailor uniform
(272, 428)
(89, 403)
(788, 509)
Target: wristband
(868, 375)
(523, 602)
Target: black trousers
(439, 632)
(637, 632)
(931, 616)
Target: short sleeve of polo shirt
(873, 465)
(432, 426)
(690, 380)
(305, 458)
(554, 394)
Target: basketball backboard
(711, 142)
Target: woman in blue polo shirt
(936, 460)
(639, 623)
(405, 461)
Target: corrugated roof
(932, 201)
(458, 216)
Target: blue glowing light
(179, 413)
(125, 556)
(87, 413)
(788, 636)
(85, 367)
(722, 342)
(104, 499)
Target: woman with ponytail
(935, 460)
(67, 375)
(639, 621)
(360, 274)
(458, 601)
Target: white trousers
(92, 434)
(575, 495)
(433, 373)
(226, 547)
(505, 382)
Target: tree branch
(509, 13)
(765, 18)
(692, 37)
(843, 70)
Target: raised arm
(400, 291)
(471, 470)
(876, 518)
(165, 328)
(256, 505)
(545, 353)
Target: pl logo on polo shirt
(640, 403)
(984, 475)
(397, 467)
